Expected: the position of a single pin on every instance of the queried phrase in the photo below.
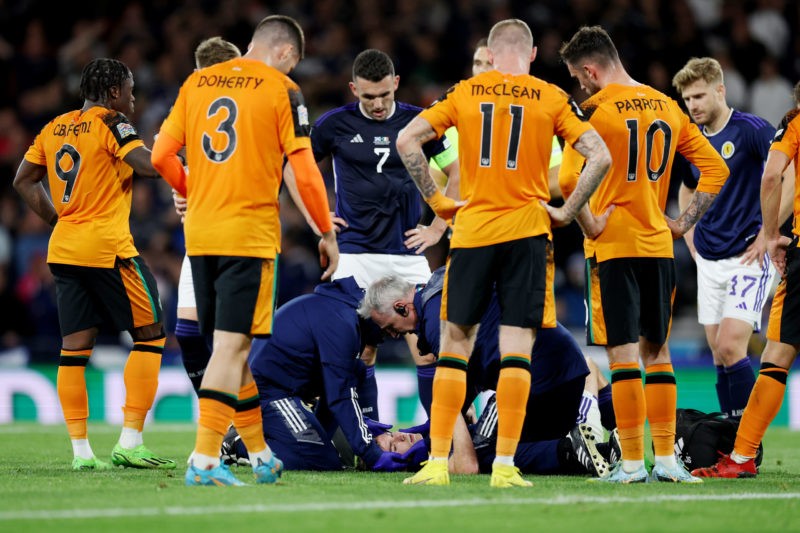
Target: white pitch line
(38, 514)
(99, 429)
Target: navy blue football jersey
(314, 352)
(556, 357)
(374, 192)
(732, 222)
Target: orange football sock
(627, 394)
(764, 404)
(141, 381)
(513, 388)
(247, 419)
(661, 394)
(217, 410)
(449, 392)
(71, 388)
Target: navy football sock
(425, 375)
(195, 350)
(368, 394)
(723, 390)
(741, 381)
(606, 406)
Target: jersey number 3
(225, 127)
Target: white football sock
(82, 449)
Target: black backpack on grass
(701, 437)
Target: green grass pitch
(39, 492)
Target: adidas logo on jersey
(742, 306)
(357, 139)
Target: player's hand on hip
(558, 218)
(180, 204)
(328, 254)
(756, 251)
(674, 227)
(444, 206)
(338, 222)
(776, 248)
(422, 237)
(596, 224)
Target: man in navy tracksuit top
(314, 353)
(558, 375)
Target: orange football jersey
(237, 120)
(787, 140)
(506, 125)
(90, 185)
(643, 129)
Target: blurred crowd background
(45, 44)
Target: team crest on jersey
(727, 149)
(381, 141)
(125, 130)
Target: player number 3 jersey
(237, 119)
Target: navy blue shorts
(296, 436)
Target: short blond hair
(214, 50)
(510, 33)
(707, 69)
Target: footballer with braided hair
(89, 156)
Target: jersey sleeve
(570, 120)
(338, 345)
(428, 334)
(571, 166)
(695, 147)
(293, 125)
(322, 139)
(123, 136)
(787, 138)
(35, 153)
(450, 152)
(175, 123)
(760, 140)
(442, 113)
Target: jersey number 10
(649, 139)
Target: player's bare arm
(423, 237)
(771, 193)
(139, 160)
(28, 183)
(409, 146)
(598, 160)
(684, 199)
(700, 203)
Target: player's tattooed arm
(700, 203)
(409, 147)
(598, 160)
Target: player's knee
(148, 333)
(80, 340)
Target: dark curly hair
(372, 65)
(100, 75)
